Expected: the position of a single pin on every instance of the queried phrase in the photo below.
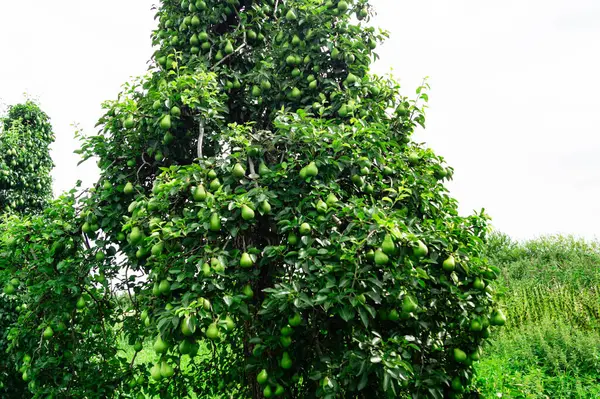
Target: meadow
(550, 346)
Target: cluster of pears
(285, 362)
(381, 256)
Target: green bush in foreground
(551, 346)
(541, 360)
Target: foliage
(25, 187)
(553, 275)
(25, 163)
(550, 346)
(545, 359)
(65, 316)
(260, 203)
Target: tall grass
(550, 347)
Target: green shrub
(546, 359)
(551, 346)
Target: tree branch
(229, 55)
(200, 139)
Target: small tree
(25, 163)
(25, 187)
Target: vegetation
(551, 344)
(25, 187)
(25, 163)
(263, 208)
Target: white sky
(513, 105)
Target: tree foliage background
(263, 208)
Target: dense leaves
(262, 207)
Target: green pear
(166, 370)
(80, 303)
(229, 323)
(267, 392)
(215, 184)
(212, 332)
(478, 284)
(321, 207)
(129, 122)
(215, 222)
(295, 320)
(420, 250)
(286, 361)
(247, 291)
(388, 246)
(48, 332)
(142, 253)
(459, 355)
(262, 377)
(206, 270)
(185, 347)
(476, 325)
(165, 122)
(188, 326)
(9, 289)
(157, 248)
(263, 169)
(291, 15)
(155, 372)
(238, 171)
(160, 346)
(305, 229)
(449, 264)
(217, 265)
(409, 304)
(285, 341)
(164, 287)
(381, 258)
(246, 261)
(199, 193)
(155, 290)
(498, 318)
(228, 47)
(265, 207)
(331, 199)
(176, 111)
(312, 170)
(136, 235)
(128, 189)
(247, 213)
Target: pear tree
(306, 241)
(277, 231)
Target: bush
(551, 345)
(547, 359)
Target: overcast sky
(513, 105)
